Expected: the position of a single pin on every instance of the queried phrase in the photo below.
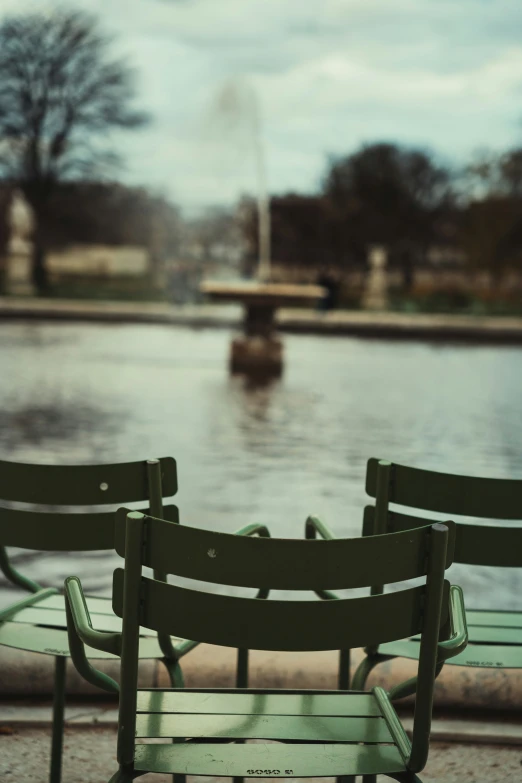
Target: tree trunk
(407, 263)
(3, 272)
(496, 280)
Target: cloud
(329, 76)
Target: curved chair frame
(35, 622)
(495, 636)
(359, 733)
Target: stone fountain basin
(264, 294)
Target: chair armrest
(81, 632)
(263, 532)
(100, 640)
(459, 629)
(447, 648)
(253, 530)
(407, 687)
(30, 600)
(314, 526)
(14, 576)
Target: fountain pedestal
(258, 349)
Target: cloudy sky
(322, 76)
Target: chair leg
(343, 682)
(344, 670)
(405, 777)
(242, 669)
(176, 681)
(241, 682)
(175, 671)
(55, 774)
(369, 779)
(362, 672)
(125, 776)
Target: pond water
(272, 454)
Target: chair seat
(42, 627)
(348, 732)
(495, 641)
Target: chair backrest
(427, 490)
(78, 485)
(281, 564)
(285, 564)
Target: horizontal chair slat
(494, 618)
(264, 759)
(54, 641)
(491, 656)
(281, 564)
(85, 485)
(449, 493)
(95, 604)
(482, 634)
(276, 625)
(61, 532)
(55, 531)
(258, 703)
(271, 727)
(492, 545)
(54, 618)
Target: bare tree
(493, 175)
(60, 94)
(390, 194)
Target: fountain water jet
(258, 350)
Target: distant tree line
(109, 214)
(101, 213)
(407, 200)
(62, 93)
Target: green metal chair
(495, 636)
(317, 733)
(38, 623)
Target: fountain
(258, 350)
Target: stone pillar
(375, 296)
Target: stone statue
(20, 222)
(375, 296)
(19, 251)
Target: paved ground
(89, 757)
